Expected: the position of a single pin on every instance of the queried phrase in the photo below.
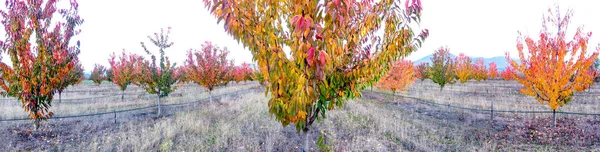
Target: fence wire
(134, 109)
(487, 110)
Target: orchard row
(336, 49)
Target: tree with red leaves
(479, 70)
(242, 72)
(98, 74)
(37, 69)
(123, 71)
(421, 71)
(209, 67)
(509, 73)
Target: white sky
(481, 28)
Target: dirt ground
(241, 122)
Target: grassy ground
(240, 122)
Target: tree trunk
(394, 98)
(158, 102)
(210, 95)
(306, 146)
(59, 96)
(554, 118)
(123, 95)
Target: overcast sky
(480, 28)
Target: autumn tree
(209, 67)
(492, 71)
(336, 48)
(441, 70)
(399, 77)
(158, 78)
(553, 67)
(181, 72)
(596, 70)
(242, 72)
(109, 74)
(463, 68)
(72, 75)
(35, 69)
(123, 71)
(509, 73)
(421, 71)
(479, 70)
(98, 74)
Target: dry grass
(504, 94)
(84, 99)
(242, 123)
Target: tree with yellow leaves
(463, 67)
(554, 68)
(337, 48)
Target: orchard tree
(181, 73)
(398, 78)
(238, 74)
(35, 69)
(463, 68)
(479, 70)
(72, 75)
(509, 73)
(248, 72)
(421, 71)
(158, 78)
(109, 74)
(441, 70)
(492, 71)
(123, 71)
(98, 74)
(336, 48)
(209, 67)
(553, 67)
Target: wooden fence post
(115, 116)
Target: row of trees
(551, 70)
(44, 60)
(446, 70)
(208, 67)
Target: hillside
(499, 60)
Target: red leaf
(311, 55)
(322, 57)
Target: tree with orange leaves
(492, 71)
(479, 70)
(509, 73)
(209, 67)
(73, 75)
(125, 70)
(554, 68)
(463, 68)
(400, 76)
(36, 70)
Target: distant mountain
(500, 61)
